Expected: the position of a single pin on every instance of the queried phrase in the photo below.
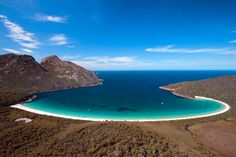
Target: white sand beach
(226, 108)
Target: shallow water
(130, 95)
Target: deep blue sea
(130, 95)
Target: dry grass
(49, 136)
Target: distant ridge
(21, 75)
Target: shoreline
(226, 108)
(173, 91)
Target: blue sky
(123, 34)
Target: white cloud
(234, 31)
(70, 57)
(158, 64)
(49, 18)
(196, 64)
(11, 50)
(26, 50)
(103, 62)
(95, 62)
(104, 59)
(103, 66)
(22, 51)
(71, 46)
(18, 34)
(232, 41)
(125, 59)
(58, 39)
(173, 49)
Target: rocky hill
(64, 71)
(220, 88)
(217, 132)
(21, 75)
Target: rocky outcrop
(21, 75)
(69, 72)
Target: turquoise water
(130, 95)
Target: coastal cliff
(21, 76)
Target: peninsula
(221, 88)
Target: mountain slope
(21, 75)
(69, 73)
(221, 88)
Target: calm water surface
(130, 95)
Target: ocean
(130, 95)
